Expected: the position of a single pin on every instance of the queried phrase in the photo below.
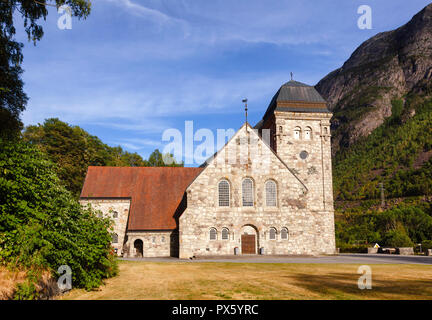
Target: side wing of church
(267, 191)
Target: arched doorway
(138, 246)
(249, 239)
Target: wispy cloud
(149, 109)
(150, 14)
(137, 67)
(245, 21)
(141, 10)
(137, 144)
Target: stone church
(267, 191)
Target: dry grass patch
(208, 281)
(8, 282)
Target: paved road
(342, 258)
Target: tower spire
(291, 76)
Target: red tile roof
(157, 194)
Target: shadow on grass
(344, 286)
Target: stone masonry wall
(311, 229)
(108, 207)
(316, 170)
(155, 244)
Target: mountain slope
(398, 154)
(391, 65)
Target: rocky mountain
(391, 66)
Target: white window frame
(219, 194)
(215, 233)
(270, 234)
(297, 133)
(287, 233)
(248, 202)
(227, 234)
(267, 193)
(308, 133)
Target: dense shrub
(401, 226)
(426, 244)
(397, 238)
(42, 224)
(352, 248)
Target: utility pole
(381, 186)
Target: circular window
(304, 155)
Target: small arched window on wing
(213, 234)
(272, 234)
(284, 234)
(225, 234)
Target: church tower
(299, 124)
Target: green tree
(397, 238)
(73, 149)
(13, 99)
(42, 225)
(157, 159)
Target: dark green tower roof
(295, 96)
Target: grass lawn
(183, 280)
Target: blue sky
(135, 68)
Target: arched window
(163, 239)
(248, 192)
(284, 234)
(114, 238)
(225, 234)
(271, 193)
(325, 130)
(272, 234)
(297, 133)
(115, 214)
(308, 133)
(154, 239)
(224, 193)
(213, 234)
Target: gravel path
(342, 258)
